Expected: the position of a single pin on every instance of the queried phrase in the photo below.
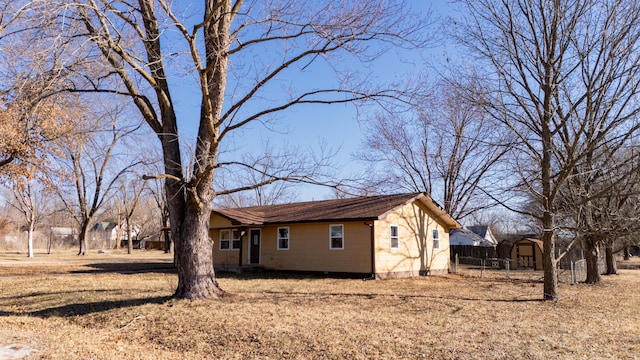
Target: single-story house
(467, 237)
(106, 233)
(484, 231)
(63, 232)
(527, 253)
(384, 236)
(104, 230)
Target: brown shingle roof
(540, 243)
(357, 208)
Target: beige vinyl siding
(219, 222)
(415, 254)
(223, 257)
(309, 248)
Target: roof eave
(233, 220)
(439, 212)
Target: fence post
(456, 264)
(482, 268)
(507, 265)
(573, 273)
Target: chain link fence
(570, 272)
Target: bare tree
(129, 194)
(290, 162)
(446, 147)
(562, 76)
(147, 218)
(32, 115)
(27, 200)
(239, 53)
(29, 126)
(160, 201)
(601, 201)
(156, 199)
(91, 164)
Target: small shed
(527, 253)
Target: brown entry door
(254, 246)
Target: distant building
(105, 233)
(484, 232)
(472, 236)
(59, 232)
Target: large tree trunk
(592, 255)
(610, 256)
(118, 230)
(549, 88)
(189, 214)
(548, 236)
(30, 240)
(193, 254)
(193, 248)
(82, 238)
(168, 245)
(129, 239)
(549, 263)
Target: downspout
(373, 251)
(243, 231)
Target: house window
(225, 239)
(229, 239)
(283, 238)
(336, 241)
(235, 240)
(436, 240)
(395, 240)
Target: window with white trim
(235, 240)
(283, 238)
(229, 239)
(394, 241)
(436, 240)
(336, 237)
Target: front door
(254, 246)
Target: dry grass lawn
(118, 306)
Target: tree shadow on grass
(52, 293)
(400, 296)
(129, 268)
(78, 309)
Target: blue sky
(308, 126)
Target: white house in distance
(473, 236)
(105, 233)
